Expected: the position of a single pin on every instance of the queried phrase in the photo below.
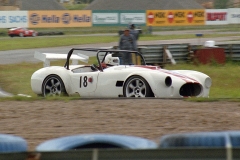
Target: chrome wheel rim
(136, 88)
(52, 87)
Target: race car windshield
(125, 58)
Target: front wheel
(137, 86)
(53, 86)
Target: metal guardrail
(155, 54)
(180, 52)
(122, 154)
(235, 52)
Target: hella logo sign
(34, 18)
(66, 18)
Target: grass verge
(42, 42)
(115, 29)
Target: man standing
(133, 31)
(127, 42)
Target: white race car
(118, 73)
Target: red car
(21, 32)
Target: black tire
(87, 141)
(201, 139)
(10, 143)
(137, 86)
(53, 86)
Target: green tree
(84, 1)
(221, 4)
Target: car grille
(190, 90)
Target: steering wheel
(94, 67)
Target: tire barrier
(49, 33)
(86, 141)
(10, 143)
(3, 34)
(201, 139)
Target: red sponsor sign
(170, 17)
(190, 17)
(216, 16)
(175, 17)
(150, 17)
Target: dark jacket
(127, 42)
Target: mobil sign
(216, 16)
(10, 19)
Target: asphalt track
(27, 55)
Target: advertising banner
(65, 18)
(175, 17)
(135, 18)
(118, 17)
(105, 18)
(234, 15)
(216, 16)
(9, 19)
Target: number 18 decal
(83, 81)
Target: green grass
(31, 42)
(41, 42)
(115, 29)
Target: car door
(85, 83)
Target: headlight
(208, 82)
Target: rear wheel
(53, 86)
(137, 86)
(20, 34)
(34, 34)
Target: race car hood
(155, 69)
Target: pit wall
(89, 18)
